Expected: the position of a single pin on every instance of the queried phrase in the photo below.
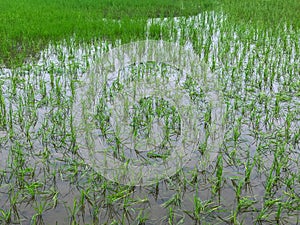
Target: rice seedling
(47, 52)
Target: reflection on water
(42, 178)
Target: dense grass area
(263, 13)
(26, 26)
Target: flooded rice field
(251, 176)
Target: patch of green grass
(263, 13)
(27, 26)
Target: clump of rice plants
(252, 178)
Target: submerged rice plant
(251, 178)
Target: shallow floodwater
(252, 178)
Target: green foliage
(263, 13)
(27, 26)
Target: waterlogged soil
(252, 178)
